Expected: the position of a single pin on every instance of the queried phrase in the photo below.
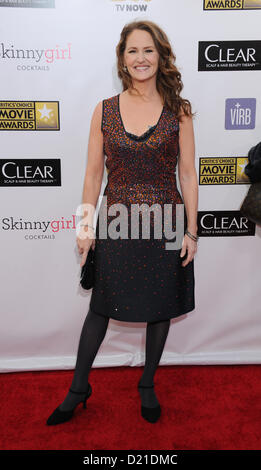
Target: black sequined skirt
(139, 276)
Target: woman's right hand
(85, 242)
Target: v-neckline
(134, 136)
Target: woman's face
(141, 56)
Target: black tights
(92, 335)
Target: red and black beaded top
(147, 161)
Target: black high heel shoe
(150, 414)
(59, 416)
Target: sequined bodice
(134, 162)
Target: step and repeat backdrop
(57, 61)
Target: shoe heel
(150, 414)
(86, 395)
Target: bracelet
(195, 238)
(86, 225)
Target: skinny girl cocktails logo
(134, 222)
(11, 53)
(37, 229)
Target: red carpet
(203, 408)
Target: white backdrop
(42, 305)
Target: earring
(125, 68)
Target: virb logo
(240, 113)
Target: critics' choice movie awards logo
(240, 113)
(28, 3)
(229, 55)
(219, 171)
(131, 5)
(29, 116)
(30, 172)
(224, 224)
(231, 5)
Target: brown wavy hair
(168, 83)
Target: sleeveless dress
(136, 279)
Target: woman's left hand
(189, 246)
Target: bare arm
(95, 165)
(92, 183)
(187, 172)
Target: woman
(141, 130)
